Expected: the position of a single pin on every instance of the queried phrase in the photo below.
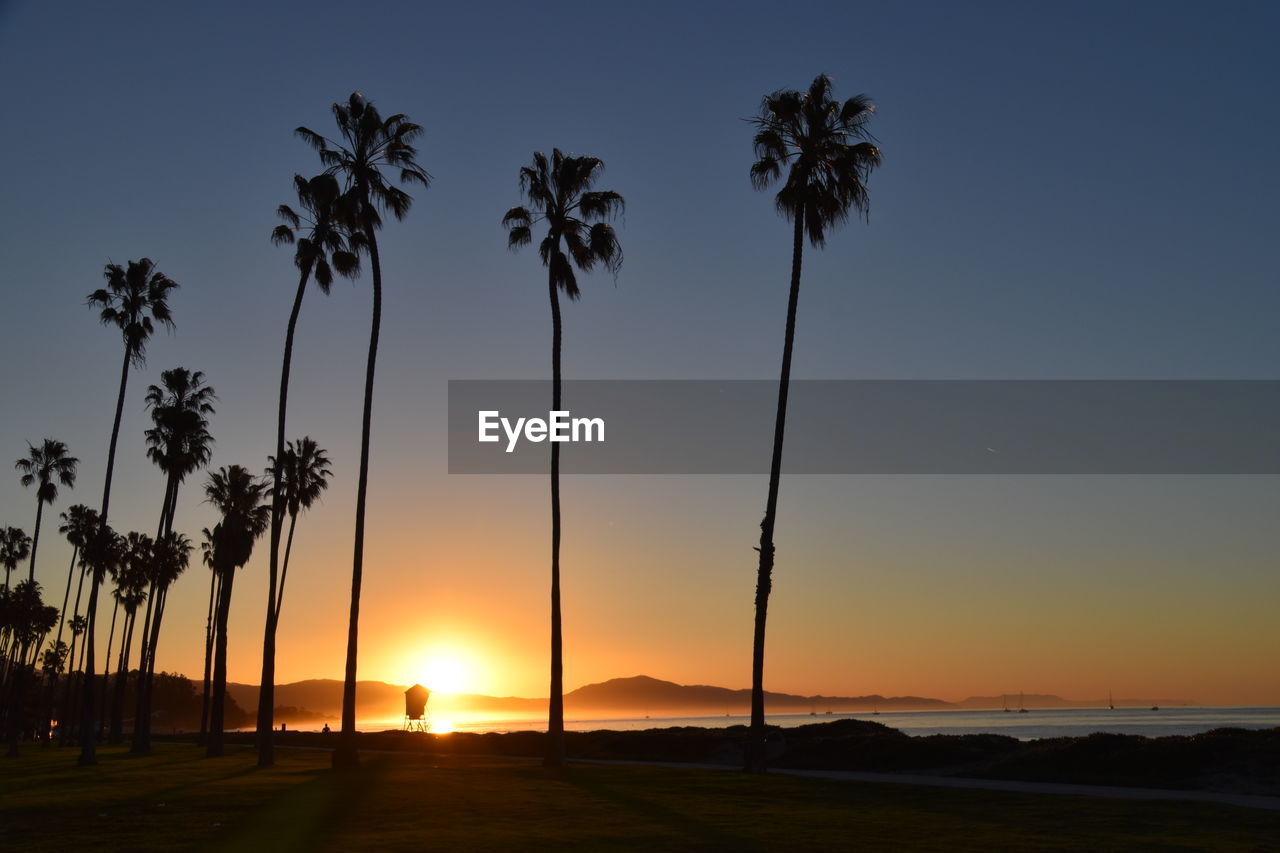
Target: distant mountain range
(636, 696)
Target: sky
(1081, 191)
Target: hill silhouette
(638, 695)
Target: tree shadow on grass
(697, 832)
(305, 815)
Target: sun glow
(441, 727)
(443, 670)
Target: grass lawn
(176, 799)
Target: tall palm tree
(304, 474)
(207, 538)
(368, 144)
(15, 546)
(45, 467)
(179, 443)
(559, 193)
(133, 579)
(326, 217)
(237, 496)
(78, 523)
(170, 557)
(135, 299)
(828, 154)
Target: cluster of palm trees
(818, 146)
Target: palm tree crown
(237, 496)
(48, 465)
(327, 215)
(15, 546)
(368, 144)
(559, 193)
(134, 300)
(828, 149)
(179, 440)
(304, 474)
(79, 523)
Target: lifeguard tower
(415, 708)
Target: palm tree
(326, 215)
(829, 154)
(78, 523)
(134, 300)
(206, 556)
(237, 496)
(297, 480)
(29, 620)
(180, 444)
(15, 545)
(368, 144)
(559, 193)
(45, 467)
(136, 559)
(170, 557)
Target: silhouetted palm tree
(170, 557)
(45, 467)
(298, 478)
(79, 522)
(327, 216)
(828, 154)
(368, 144)
(237, 496)
(206, 557)
(28, 620)
(303, 476)
(559, 194)
(180, 444)
(15, 546)
(133, 579)
(134, 300)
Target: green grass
(176, 799)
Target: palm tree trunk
(267, 683)
(64, 709)
(115, 732)
(284, 568)
(141, 743)
(208, 661)
(140, 704)
(106, 667)
(555, 721)
(88, 744)
(755, 762)
(35, 539)
(345, 755)
(218, 698)
(66, 596)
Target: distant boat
(1005, 700)
(1110, 702)
(875, 708)
(1021, 709)
(813, 709)
(1155, 707)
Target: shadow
(688, 828)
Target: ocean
(1033, 725)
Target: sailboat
(1005, 699)
(1021, 709)
(1110, 702)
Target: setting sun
(444, 671)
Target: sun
(444, 673)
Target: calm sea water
(1064, 722)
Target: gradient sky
(1068, 191)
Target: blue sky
(1068, 191)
